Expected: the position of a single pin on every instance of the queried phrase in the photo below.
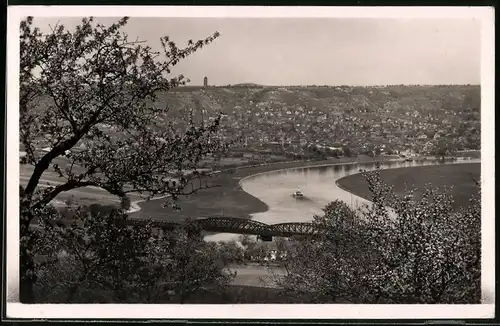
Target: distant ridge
(250, 85)
(247, 85)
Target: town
(343, 120)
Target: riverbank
(227, 197)
(458, 176)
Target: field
(460, 176)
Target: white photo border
(255, 311)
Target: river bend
(318, 183)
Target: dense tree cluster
(99, 259)
(397, 250)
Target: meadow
(458, 176)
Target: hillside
(396, 99)
(339, 114)
(363, 119)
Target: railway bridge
(226, 224)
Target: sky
(316, 51)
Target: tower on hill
(205, 81)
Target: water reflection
(322, 170)
(317, 183)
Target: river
(318, 184)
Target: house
(407, 153)
(273, 253)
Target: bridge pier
(266, 238)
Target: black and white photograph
(242, 162)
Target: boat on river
(298, 194)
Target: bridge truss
(225, 224)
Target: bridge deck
(224, 224)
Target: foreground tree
(100, 259)
(418, 251)
(326, 269)
(89, 97)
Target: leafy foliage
(417, 251)
(90, 96)
(229, 252)
(440, 147)
(99, 90)
(99, 259)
